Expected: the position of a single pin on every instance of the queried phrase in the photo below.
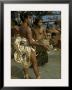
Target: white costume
(23, 51)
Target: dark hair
(53, 34)
(24, 15)
(37, 20)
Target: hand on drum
(42, 45)
(45, 46)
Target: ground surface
(51, 70)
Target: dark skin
(39, 33)
(33, 53)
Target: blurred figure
(39, 34)
(24, 53)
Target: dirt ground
(51, 70)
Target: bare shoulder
(43, 28)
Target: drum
(42, 55)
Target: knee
(25, 66)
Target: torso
(38, 33)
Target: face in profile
(40, 23)
(29, 20)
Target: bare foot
(38, 77)
(26, 76)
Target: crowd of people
(30, 42)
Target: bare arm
(44, 31)
(29, 34)
(30, 38)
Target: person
(25, 54)
(39, 34)
(38, 30)
(53, 40)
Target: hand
(45, 46)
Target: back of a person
(23, 32)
